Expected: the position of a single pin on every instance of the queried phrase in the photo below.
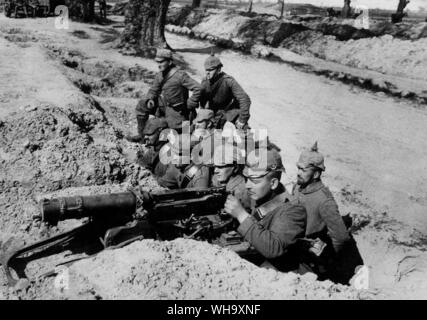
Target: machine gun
(120, 218)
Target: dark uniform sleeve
(169, 179)
(192, 85)
(336, 229)
(287, 226)
(156, 87)
(242, 97)
(203, 94)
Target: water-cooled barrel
(58, 209)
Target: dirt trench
(48, 148)
(76, 147)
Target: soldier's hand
(234, 208)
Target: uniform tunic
(274, 228)
(226, 98)
(170, 91)
(191, 177)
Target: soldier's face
(259, 188)
(211, 73)
(152, 139)
(163, 64)
(223, 173)
(305, 175)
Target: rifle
(120, 218)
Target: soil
(67, 99)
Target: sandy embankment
(373, 59)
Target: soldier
(228, 172)
(203, 124)
(182, 172)
(150, 158)
(222, 94)
(168, 96)
(331, 251)
(276, 223)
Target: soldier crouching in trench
(276, 223)
(328, 250)
(228, 172)
(182, 172)
(150, 158)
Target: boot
(140, 136)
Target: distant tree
(250, 6)
(282, 8)
(83, 10)
(346, 10)
(196, 3)
(145, 26)
(398, 16)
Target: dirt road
(373, 143)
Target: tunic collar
(312, 187)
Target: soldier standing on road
(168, 96)
(331, 251)
(276, 223)
(222, 94)
(150, 158)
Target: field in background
(299, 9)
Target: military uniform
(276, 224)
(274, 228)
(192, 176)
(339, 255)
(323, 215)
(150, 157)
(189, 176)
(225, 97)
(170, 96)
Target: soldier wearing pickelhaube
(182, 172)
(168, 96)
(276, 222)
(331, 251)
(203, 125)
(228, 162)
(222, 94)
(150, 158)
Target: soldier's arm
(156, 87)
(169, 178)
(203, 95)
(287, 226)
(243, 98)
(194, 86)
(336, 229)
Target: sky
(383, 4)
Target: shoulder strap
(189, 175)
(268, 207)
